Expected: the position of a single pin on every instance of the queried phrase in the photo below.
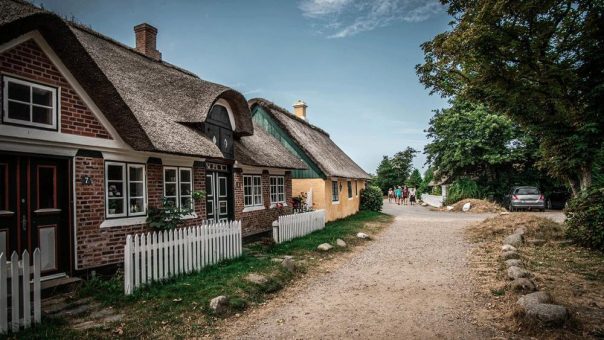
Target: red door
(34, 209)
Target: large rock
(520, 230)
(324, 247)
(513, 262)
(523, 285)
(514, 240)
(507, 247)
(466, 207)
(517, 272)
(547, 314)
(340, 243)
(288, 264)
(533, 299)
(256, 278)
(362, 235)
(449, 207)
(507, 255)
(219, 304)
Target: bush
(372, 199)
(585, 218)
(463, 188)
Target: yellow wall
(322, 196)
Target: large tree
(402, 162)
(386, 175)
(538, 62)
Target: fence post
(37, 292)
(14, 271)
(3, 294)
(128, 265)
(26, 289)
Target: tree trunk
(574, 186)
(585, 178)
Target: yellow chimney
(300, 109)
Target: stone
(523, 285)
(507, 255)
(424, 204)
(256, 278)
(536, 242)
(507, 247)
(449, 208)
(547, 314)
(325, 247)
(362, 235)
(219, 304)
(533, 298)
(340, 243)
(288, 264)
(517, 272)
(504, 213)
(514, 240)
(513, 262)
(466, 207)
(520, 230)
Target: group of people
(402, 195)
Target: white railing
(296, 225)
(160, 255)
(18, 274)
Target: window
(126, 189)
(252, 191)
(349, 189)
(29, 104)
(277, 189)
(335, 192)
(356, 188)
(178, 186)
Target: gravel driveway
(412, 282)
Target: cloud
(345, 18)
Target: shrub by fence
(296, 225)
(160, 255)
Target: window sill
(118, 222)
(190, 216)
(350, 198)
(254, 208)
(335, 202)
(274, 205)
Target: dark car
(557, 199)
(524, 197)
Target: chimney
(146, 40)
(300, 109)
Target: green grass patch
(179, 307)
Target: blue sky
(351, 61)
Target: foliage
(402, 163)
(394, 171)
(585, 218)
(386, 176)
(436, 190)
(372, 199)
(414, 180)
(428, 176)
(169, 216)
(461, 189)
(537, 62)
(198, 195)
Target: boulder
(325, 247)
(507, 255)
(513, 262)
(514, 240)
(523, 285)
(536, 241)
(219, 304)
(288, 264)
(547, 314)
(520, 230)
(517, 272)
(362, 235)
(340, 243)
(449, 207)
(466, 207)
(256, 278)
(507, 247)
(533, 299)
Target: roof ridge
(272, 105)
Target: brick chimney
(300, 109)
(146, 38)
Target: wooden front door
(219, 193)
(34, 209)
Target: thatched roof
(315, 142)
(153, 105)
(262, 149)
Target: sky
(352, 61)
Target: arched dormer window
(219, 129)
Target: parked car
(524, 197)
(557, 199)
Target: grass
(179, 307)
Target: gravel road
(411, 282)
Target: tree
(539, 63)
(415, 179)
(402, 163)
(386, 175)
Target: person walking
(397, 194)
(405, 195)
(390, 195)
(412, 192)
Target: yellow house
(333, 181)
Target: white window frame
(255, 190)
(143, 182)
(274, 189)
(126, 189)
(178, 197)
(53, 90)
(335, 193)
(349, 189)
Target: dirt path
(412, 282)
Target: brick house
(332, 180)
(94, 133)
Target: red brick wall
(27, 61)
(260, 220)
(98, 246)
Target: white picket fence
(160, 255)
(18, 273)
(296, 225)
